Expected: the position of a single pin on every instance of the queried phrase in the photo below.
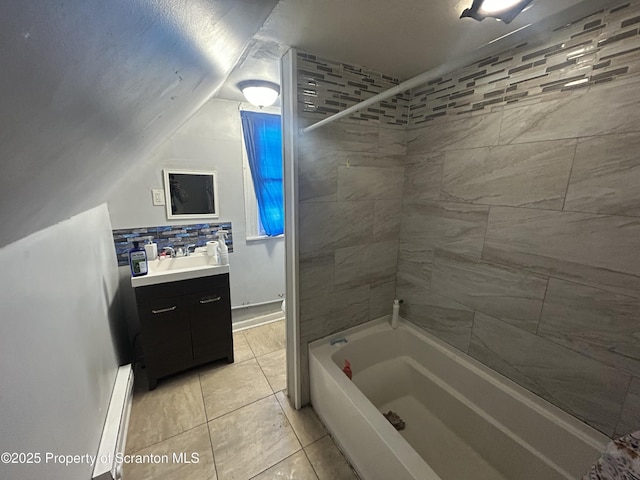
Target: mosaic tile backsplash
(326, 87)
(601, 48)
(174, 236)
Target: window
(262, 134)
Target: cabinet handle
(165, 310)
(210, 299)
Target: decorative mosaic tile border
(326, 87)
(601, 48)
(174, 236)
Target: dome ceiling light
(505, 10)
(259, 92)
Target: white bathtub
(463, 420)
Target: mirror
(191, 194)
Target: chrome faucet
(187, 251)
(172, 252)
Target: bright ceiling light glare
(491, 7)
(260, 92)
(505, 10)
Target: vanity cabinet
(184, 324)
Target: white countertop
(176, 269)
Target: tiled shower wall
(520, 235)
(350, 177)
(520, 240)
(326, 87)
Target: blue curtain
(263, 140)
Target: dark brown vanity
(184, 323)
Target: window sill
(263, 237)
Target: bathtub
(463, 420)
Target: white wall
(210, 140)
(57, 361)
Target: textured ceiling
(90, 87)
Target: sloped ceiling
(90, 87)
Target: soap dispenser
(138, 260)
(223, 251)
(151, 249)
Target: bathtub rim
(412, 462)
(324, 353)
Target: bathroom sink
(179, 268)
(178, 263)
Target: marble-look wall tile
(316, 274)
(452, 226)
(369, 183)
(630, 418)
(371, 263)
(363, 159)
(606, 175)
(469, 132)
(511, 295)
(412, 289)
(328, 225)
(448, 320)
(587, 248)
(387, 216)
(392, 141)
(381, 299)
(318, 172)
(526, 175)
(333, 312)
(423, 177)
(341, 136)
(305, 396)
(577, 384)
(617, 107)
(317, 175)
(603, 325)
(415, 261)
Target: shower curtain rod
(539, 31)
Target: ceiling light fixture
(505, 10)
(260, 92)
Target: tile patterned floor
(235, 419)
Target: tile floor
(236, 418)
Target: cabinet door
(210, 318)
(165, 336)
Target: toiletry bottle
(151, 249)
(347, 369)
(223, 251)
(212, 251)
(138, 260)
(396, 313)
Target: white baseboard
(114, 433)
(257, 321)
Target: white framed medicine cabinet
(191, 194)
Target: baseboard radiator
(114, 435)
